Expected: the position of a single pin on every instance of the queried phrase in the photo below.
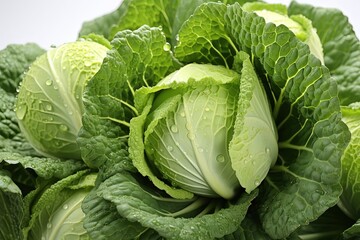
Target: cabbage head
(56, 208)
(207, 130)
(49, 105)
(350, 162)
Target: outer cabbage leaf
(329, 225)
(44, 167)
(137, 58)
(172, 219)
(102, 221)
(312, 137)
(12, 208)
(352, 232)
(57, 212)
(350, 162)
(203, 39)
(11, 138)
(133, 14)
(250, 229)
(341, 47)
(14, 61)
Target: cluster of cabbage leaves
(184, 120)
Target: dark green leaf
(172, 219)
(138, 58)
(341, 47)
(306, 179)
(14, 61)
(12, 209)
(203, 38)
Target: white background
(53, 22)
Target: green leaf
(330, 225)
(154, 13)
(11, 138)
(133, 14)
(350, 163)
(172, 219)
(341, 47)
(203, 39)
(253, 148)
(44, 167)
(138, 58)
(57, 213)
(12, 208)
(352, 232)
(14, 61)
(102, 221)
(305, 181)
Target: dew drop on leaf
(220, 158)
(63, 128)
(174, 128)
(21, 112)
(191, 136)
(48, 107)
(167, 47)
(49, 225)
(49, 82)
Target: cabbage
(49, 104)
(273, 84)
(209, 131)
(349, 201)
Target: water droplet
(77, 96)
(167, 47)
(49, 225)
(21, 112)
(191, 136)
(49, 82)
(174, 129)
(200, 149)
(87, 63)
(177, 37)
(170, 148)
(257, 182)
(65, 206)
(182, 114)
(43, 238)
(267, 150)
(220, 158)
(48, 107)
(207, 109)
(63, 128)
